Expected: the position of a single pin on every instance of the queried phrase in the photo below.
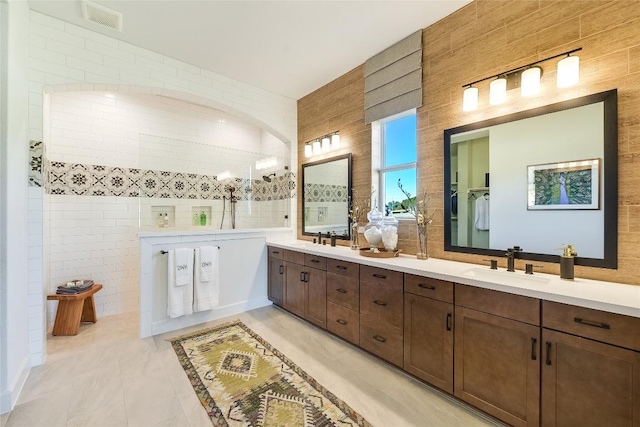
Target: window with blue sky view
(398, 162)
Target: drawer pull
(341, 267)
(379, 276)
(302, 276)
(275, 252)
(382, 303)
(379, 338)
(281, 269)
(590, 323)
(342, 291)
(449, 317)
(315, 260)
(534, 341)
(423, 286)
(548, 360)
(342, 322)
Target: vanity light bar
(323, 144)
(568, 74)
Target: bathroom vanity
(528, 349)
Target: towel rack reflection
(163, 252)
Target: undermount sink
(505, 277)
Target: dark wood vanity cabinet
(428, 330)
(343, 299)
(275, 269)
(586, 382)
(305, 291)
(381, 313)
(497, 354)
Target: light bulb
(470, 99)
(530, 83)
(498, 91)
(568, 71)
(326, 144)
(316, 146)
(335, 141)
(308, 151)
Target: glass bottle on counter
(203, 218)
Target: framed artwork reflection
(567, 185)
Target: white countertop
(607, 296)
(209, 231)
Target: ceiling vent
(101, 15)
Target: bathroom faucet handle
(494, 263)
(528, 268)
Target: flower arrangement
(418, 208)
(355, 213)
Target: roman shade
(393, 79)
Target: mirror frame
(610, 178)
(349, 185)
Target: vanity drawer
(344, 268)
(428, 287)
(516, 307)
(274, 252)
(381, 304)
(616, 329)
(383, 340)
(294, 257)
(380, 276)
(343, 291)
(315, 261)
(343, 322)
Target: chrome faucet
(511, 255)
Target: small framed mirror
(326, 187)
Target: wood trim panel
(516, 307)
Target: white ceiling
(288, 47)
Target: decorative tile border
(36, 149)
(325, 193)
(95, 180)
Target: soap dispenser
(567, 261)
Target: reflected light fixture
(526, 77)
(568, 71)
(323, 144)
(530, 84)
(470, 99)
(498, 91)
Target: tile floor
(107, 376)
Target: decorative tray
(382, 254)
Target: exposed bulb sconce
(527, 78)
(470, 99)
(498, 91)
(323, 144)
(568, 71)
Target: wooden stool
(73, 309)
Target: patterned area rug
(242, 380)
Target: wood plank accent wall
(481, 39)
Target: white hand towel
(205, 263)
(179, 298)
(206, 293)
(184, 266)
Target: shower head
(267, 178)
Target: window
(397, 161)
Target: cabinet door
(294, 290)
(315, 300)
(428, 340)
(497, 366)
(276, 281)
(586, 383)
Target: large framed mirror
(537, 179)
(326, 190)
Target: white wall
(539, 140)
(14, 148)
(64, 57)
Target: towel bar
(163, 252)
